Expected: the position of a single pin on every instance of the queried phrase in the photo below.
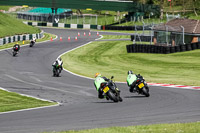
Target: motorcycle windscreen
(141, 85)
(105, 90)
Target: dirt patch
(13, 9)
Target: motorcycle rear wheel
(14, 53)
(120, 99)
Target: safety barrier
(62, 25)
(16, 38)
(89, 26)
(144, 48)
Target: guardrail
(16, 38)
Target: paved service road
(31, 73)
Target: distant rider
(58, 64)
(131, 80)
(97, 83)
(16, 47)
(34, 39)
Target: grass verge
(126, 31)
(111, 58)
(156, 128)
(10, 101)
(115, 37)
(47, 36)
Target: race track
(31, 73)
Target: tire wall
(144, 48)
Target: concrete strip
(61, 25)
(86, 26)
(74, 26)
(50, 24)
(34, 23)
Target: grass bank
(10, 101)
(111, 58)
(157, 128)
(10, 26)
(47, 36)
(6, 8)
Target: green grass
(126, 31)
(10, 101)
(146, 21)
(102, 20)
(47, 36)
(6, 8)
(116, 37)
(10, 26)
(156, 128)
(111, 58)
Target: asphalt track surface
(31, 73)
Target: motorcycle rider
(34, 39)
(97, 83)
(57, 63)
(16, 47)
(131, 80)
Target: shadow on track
(8, 51)
(105, 102)
(134, 97)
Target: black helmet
(130, 72)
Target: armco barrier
(144, 48)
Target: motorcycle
(111, 91)
(15, 51)
(141, 86)
(56, 71)
(32, 43)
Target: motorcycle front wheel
(145, 91)
(112, 96)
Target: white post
(96, 19)
(183, 34)
(77, 19)
(71, 19)
(167, 35)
